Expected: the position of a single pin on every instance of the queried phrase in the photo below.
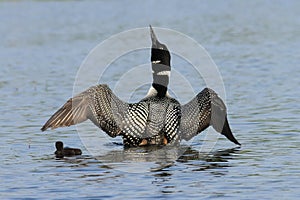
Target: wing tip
(43, 128)
(46, 126)
(228, 133)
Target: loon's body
(157, 119)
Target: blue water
(256, 46)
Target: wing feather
(98, 104)
(206, 109)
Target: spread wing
(134, 121)
(206, 109)
(98, 104)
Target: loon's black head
(159, 52)
(161, 65)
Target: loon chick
(157, 119)
(62, 151)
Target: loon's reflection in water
(158, 159)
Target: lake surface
(256, 46)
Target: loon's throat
(161, 90)
(161, 76)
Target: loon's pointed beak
(154, 39)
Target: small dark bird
(62, 151)
(158, 119)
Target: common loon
(157, 119)
(62, 151)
